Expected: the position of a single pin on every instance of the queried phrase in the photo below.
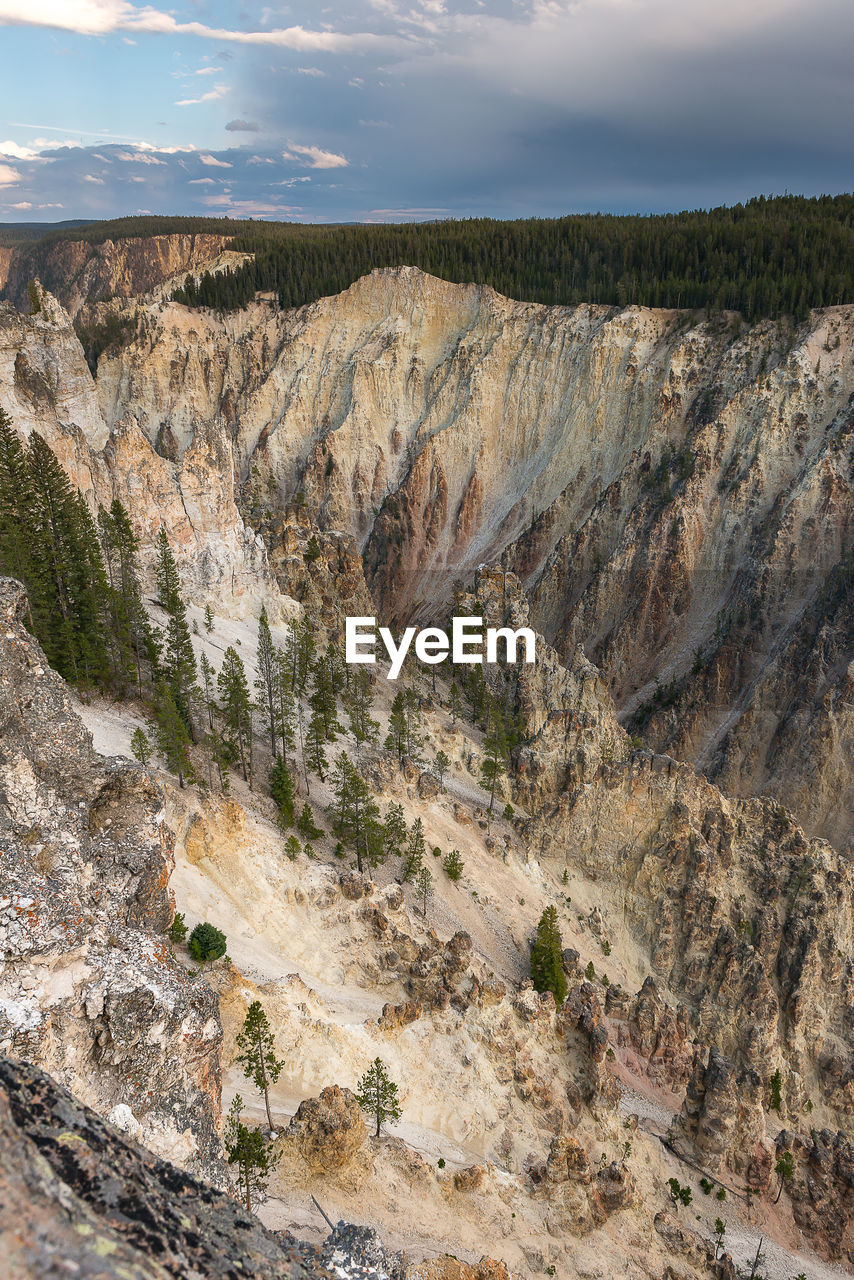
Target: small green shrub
(206, 942)
(178, 928)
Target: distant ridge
(771, 257)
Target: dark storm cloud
(429, 108)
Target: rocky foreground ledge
(79, 1199)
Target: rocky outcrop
(687, 1246)
(326, 1132)
(821, 1189)
(658, 1038)
(79, 272)
(722, 1124)
(76, 1197)
(578, 1198)
(88, 988)
(46, 386)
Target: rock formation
(88, 988)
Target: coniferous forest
(767, 258)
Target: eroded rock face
(326, 1132)
(88, 987)
(821, 1189)
(676, 496)
(722, 1124)
(46, 386)
(80, 273)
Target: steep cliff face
(79, 273)
(675, 495)
(88, 989)
(743, 919)
(46, 386)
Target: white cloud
(22, 204)
(315, 157)
(291, 182)
(90, 177)
(203, 182)
(8, 176)
(101, 17)
(207, 71)
(219, 91)
(14, 152)
(55, 144)
(214, 163)
(311, 71)
(138, 157)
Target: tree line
(767, 258)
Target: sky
(393, 110)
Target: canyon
(666, 500)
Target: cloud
(90, 177)
(8, 176)
(14, 152)
(311, 71)
(315, 157)
(218, 91)
(242, 126)
(101, 17)
(202, 182)
(22, 204)
(214, 163)
(207, 71)
(138, 157)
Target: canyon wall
(675, 493)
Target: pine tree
(257, 1053)
(209, 621)
(547, 957)
(236, 706)
(170, 734)
(494, 763)
(306, 825)
(356, 814)
(314, 746)
(442, 764)
(412, 715)
(396, 740)
(299, 651)
(122, 557)
(245, 1148)
(282, 791)
(285, 704)
(70, 598)
(455, 704)
(179, 660)
(395, 830)
(323, 701)
(141, 747)
(358, 706)
(166, 574)
(208, 697)
(267, 680)
(18, 555)
(423, 888)
(452, 865)
(376, 1093)
(416, 848)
